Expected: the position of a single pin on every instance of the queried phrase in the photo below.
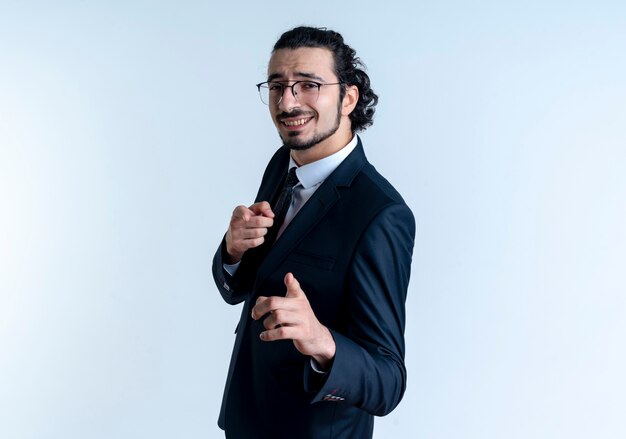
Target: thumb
(293, 286)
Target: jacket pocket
(313, 260)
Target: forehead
(291, 63)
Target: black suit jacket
(350, 248)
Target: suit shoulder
(280, 157)
(378, 186)
(370, 196)
(274, 168)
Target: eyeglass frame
(284, 85)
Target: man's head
(333, 101)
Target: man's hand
(292, 318)
(247, 229)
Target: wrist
(326, 356)
(230, 259)
(229, 256)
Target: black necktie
(282, 205)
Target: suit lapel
(312, 212)
(274, 177)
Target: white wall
(129, 130)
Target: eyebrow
(275, 76)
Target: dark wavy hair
(348, 68)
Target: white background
(129, 130)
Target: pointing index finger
(242, 212)
(262, 208)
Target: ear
(350, 100)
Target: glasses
(272, 92)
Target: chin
(298, 146)
(294, 143)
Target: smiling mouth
(291, 123)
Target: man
(321, 260)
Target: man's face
(304, 122)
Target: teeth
(293, 123)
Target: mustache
(294, 113)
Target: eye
(308, 86)
(275, 87)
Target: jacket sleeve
(228, 286)
(368, 370)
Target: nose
(288, 100)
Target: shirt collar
(316, 172)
